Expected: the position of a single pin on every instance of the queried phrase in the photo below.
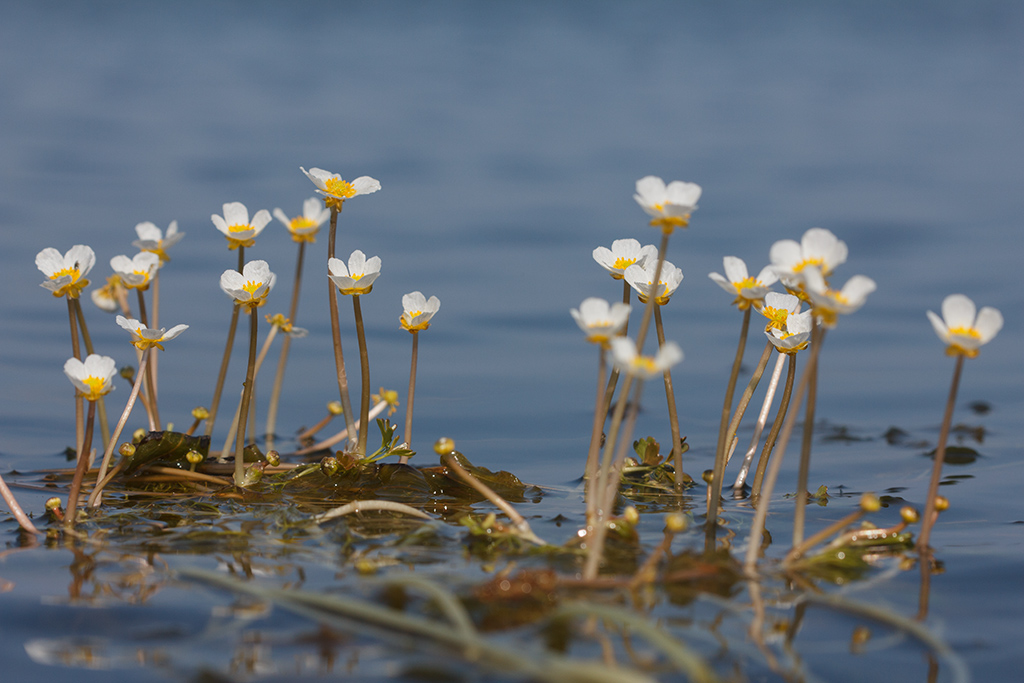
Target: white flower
(285, 325)
(94, 377)
(358, 277)
(304, 228)
(736, 281)
(599, 321)
(627, 360)
(828, 303)
(136, 272)
(144, 337)
(335, 190)
(642, 280)
(794, 335)
(251, 286)
(108, 297)
(623, 254)
(778, 307)
(962, 331)
(669, 206)
(235, 225)
(417, 311)
(66, 274)
(818, 247)
(151, 239)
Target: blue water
(507, 138)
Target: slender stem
(155, 360)
(741, 408)
(76, 351)
(940, 456)
(83, 465)
(730, 388)
(339, 358)
(673, 416)
(215, 403)
(780, 416)
(238, 409)
(286, 345)
(412, 390)
(800, 513)
(798, 549)
(762, 420)
(94, 499)
(522, 526)
(101, 406)
(150, 379)
(243, 412)
(12, 503)
(590, 473)
(342, 435)
(364, 373)
(761, 515)
(645, 322)
(614, 378)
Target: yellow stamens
(645, 363)
(252, 286)
(302, 223)
(745, 284)
(238, 227)
(810, 262)
(64, 272)
(337, 187)
(95, 385)
(777, 317)
(623, 263)
(965, 332)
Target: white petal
(49, 261)
(989, 322)
(365, 185)
(283, 217)
(785, 254)
(939, 326)
(767, 276)
(336, 267)
(235, 213)
(220, 223)
(735, 268)
(174, 331)
(958, 311)
(149, 232)
(722, 282)
(260, 220)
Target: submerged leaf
(165, 448)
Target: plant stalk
(364, 374)
(243, 412)
(339, 358)
(215, 403)
(286, 345)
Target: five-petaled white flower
(794, 332)
(144, 337)
(748, 290)
(641, 278)
(417, 310)
(358, 277)
(778, 307)
(335, 190)
(66, 273)
(669, 206)
(235, 225)
(136, 272)
(304, 228)
(627, 360)
(828, 304)
(251, 286)
(599, 320)
(623, 254)
(94, 377)
(960, 330)
(152, 239)
(818, 247)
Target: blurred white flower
(599, 320)
(794, 335)
(417, 310)
(669, 206)
(153, 240)
(627, 360)
(235, 225)
(304, 228)
(358, 277)
(335, 190)
(818, 247)
(961, 330)
(136, 272)
(66, 274)
(828, 304)
(747, 290)
(642, 280)
(623, 254)
(251, 286)
(94, 377)
(778, 307)
(144, 337)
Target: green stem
(243, 412)
(800, 513)
(673, 416)
(83, 465)
(215, 403)
(286, 345)
(780, 416)
(339, 358)
(940, 456)
(364, 373)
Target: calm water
(507, 139)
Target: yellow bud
(329, 466)
(128, 372)
(631, 515)
(194, 457)
(909, 514)
(676, 522)
(139, 434)
(334, 408)
(941, 503)
(444, 446)
(200, 413)
(869, 502)
(126, 449)
(53, 504)
(273, 458)
(708, 476)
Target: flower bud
(53, 504)
(908, 514)
(869, 502)
(334, 408)
(941, 503)
(194, 457)
(273, 458)
(631, 516)
(444, 446)
(200, 413)
(126, 449)
(329, 466)
(676, 522)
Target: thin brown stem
(83, 465)
(780, 416)
(154, 361)
(364, 373)
(286, 345)
(19, 514)
(339, 358)
(673, 416)
(246, 398)
(150, 379)
(800, 512)
(613, 379)
(940, 455)
(590, 472)
(412, 391)
(730, 388)
(645, 322)
(222, 374)
(101, 406)
(76, 351)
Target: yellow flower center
(95, 385)
(623, 263)
(340, 188)
(413, 314)
(670, 223)
(251, 286)
(965, 332)
(239, 227)
(356, 276)
(777, 317)
(745, 284)
(809, 262)
(73, 272)
(645, 363)
(301, 223)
